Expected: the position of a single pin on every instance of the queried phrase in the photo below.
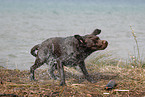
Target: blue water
(24, 23)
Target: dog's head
(92, 41)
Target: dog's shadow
(96, 76)
(76, 76)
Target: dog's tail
(36, 47)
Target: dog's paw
(91, 80)
(32, 78)
(54, 78)
(57, 78)
(62, 84)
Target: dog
(68, 51)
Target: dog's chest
(73, 59)
(69, 52)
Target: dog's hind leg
(51, 71)
(61, 72)
(38, 63)
(52, 67)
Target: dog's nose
(105, 42)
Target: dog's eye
(90, 37)
(97, 38)
(94, 40)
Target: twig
(61, 91)
(11, 95)
(121, 90)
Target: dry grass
(18, 83)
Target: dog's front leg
(85, 72)
(38, 63)
(61, 72)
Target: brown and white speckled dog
(72, 50)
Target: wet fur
(73, 50)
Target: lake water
(25, 23)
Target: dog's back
(58, 47)
(72, 50)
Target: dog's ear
(80, 39)
(96, 32)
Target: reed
(136, 60)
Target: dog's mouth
(104, 45)
(100, 47)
